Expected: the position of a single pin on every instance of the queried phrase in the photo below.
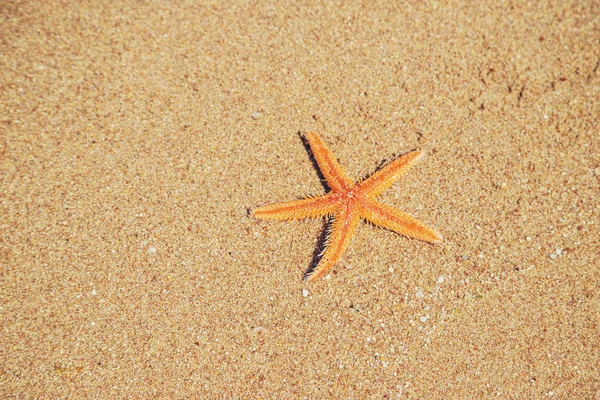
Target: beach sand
(137, 138)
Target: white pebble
(304, 292)
(441, 279)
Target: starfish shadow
(322, 241)
(319, 249)
(313, 160)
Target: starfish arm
(332, 171)
(385, 177)
(340, 234)
(397, 221)
(313, 207)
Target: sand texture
(136, 138)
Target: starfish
(347, 203)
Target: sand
(137, 137)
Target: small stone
(553, 256)
(255, 115)
(304, 292)
(440, 279)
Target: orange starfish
(347, 202)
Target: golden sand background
(137, 136)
